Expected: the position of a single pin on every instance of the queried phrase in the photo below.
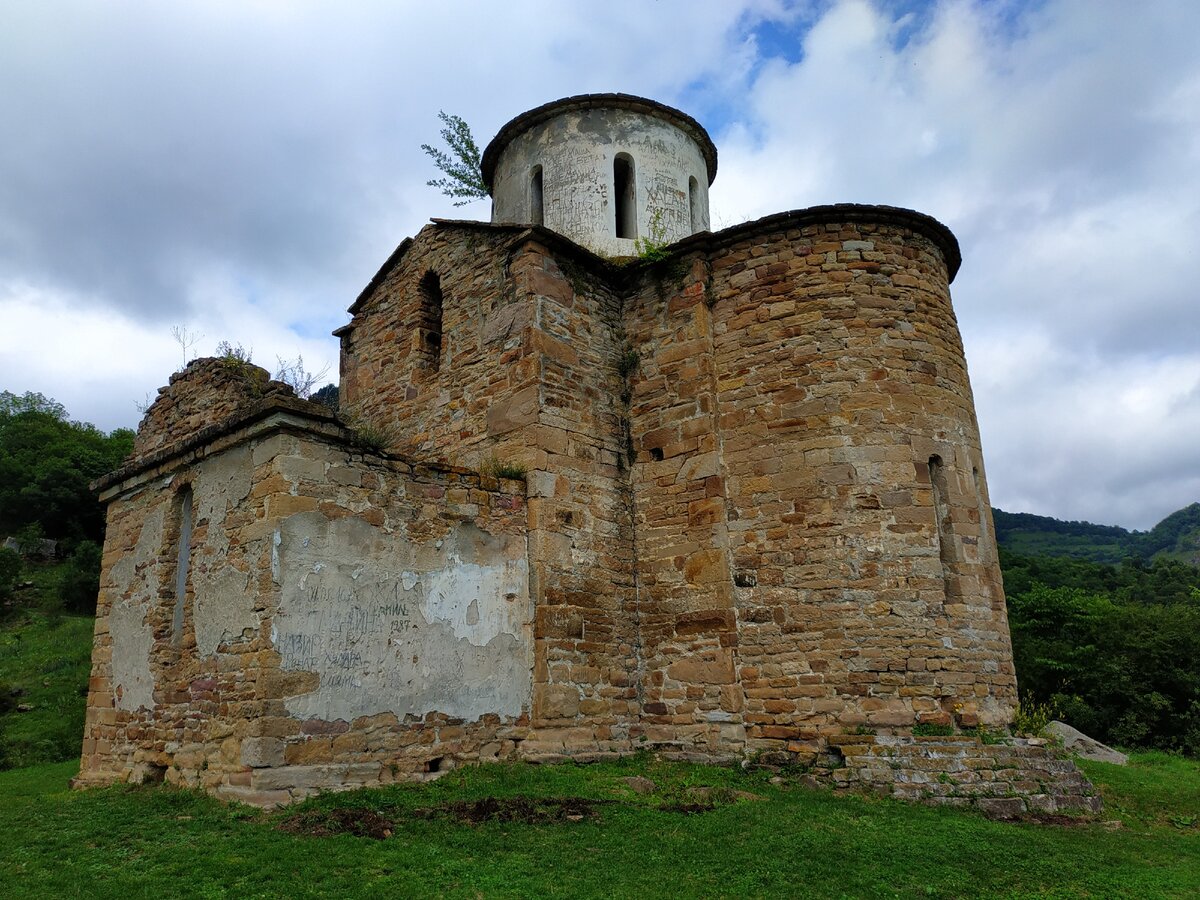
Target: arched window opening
(183, 524)
(625, 196)
(694, 204)
(941, 513)
(536, 212)
(429, 324)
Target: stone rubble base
(1005, 780)
(1017, 778)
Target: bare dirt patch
(370, 823)
(527, 810)
(327, 822)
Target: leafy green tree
(327, 396)
(461, 165)
(1116, 649)
(79, 582)
(47, 463)
(13, 404)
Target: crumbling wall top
(205, 391)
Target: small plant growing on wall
(498, 468)
(293, 373)
(653, 247)
(372, 438)
(628, 362)
(234, 356)
(237, 359)
(463, 173)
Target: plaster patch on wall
(391, 625)
(133, 583)
(224, 608)
(132, 641)
(224, 481)
(149, 542)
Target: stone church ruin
(727, 503)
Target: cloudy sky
(240, 168)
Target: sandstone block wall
(203, 394)
(862, 597)
(735, 447)
(1004, 780)
(751, 516)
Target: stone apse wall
(754, 517)
(803, 570)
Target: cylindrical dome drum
(609, 171)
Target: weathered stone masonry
(753, 519)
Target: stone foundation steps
(1006, 779)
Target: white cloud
(108, 363)
(243, 168)
(1083, 436)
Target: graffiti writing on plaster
(335, 619)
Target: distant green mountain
(1175, 537)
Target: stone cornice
(271, 414)
(921, 223)
(701, 242)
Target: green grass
(153, 842)
(47, 659)
(1159, 789)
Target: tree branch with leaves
(461, 165)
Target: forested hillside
(1175, 537)
(1106, 624)
(47, 463)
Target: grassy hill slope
(45, 661)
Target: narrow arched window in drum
(944, 524)
(697, 217)
(625, 196)
(537, 214)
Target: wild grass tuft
(498, 468)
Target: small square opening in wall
(745, 579)
(656, 454)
